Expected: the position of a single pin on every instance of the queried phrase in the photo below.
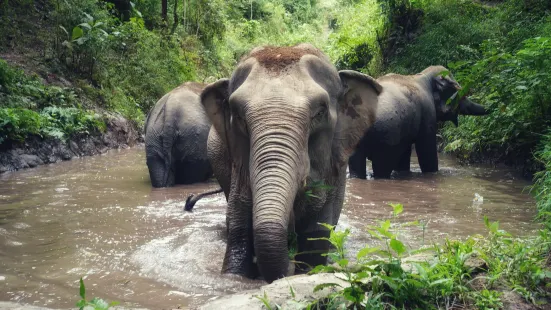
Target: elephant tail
(192, 199)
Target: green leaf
(322, 268)
(85, 25)
(397, 246)
(88, 17)
(444, 73)
(343, 262)
(385, 225)
(82, 290)
(99, 304)
(325, 285)
(421, 270)
(64, 30)
(397, 208)
(437, 282)
(77, 33)
(81, 303)
(366, 251)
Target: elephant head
(287, 117)
(446, 91)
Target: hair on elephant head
(449, 98)
(285, 119)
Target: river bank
(35, 151)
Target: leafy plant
(95, 303)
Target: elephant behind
(284, 122)
(176, 132)
(410, 106)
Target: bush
(514, 87)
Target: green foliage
(542, 184)
(512, 86)
(95, 303)
(16, 124)
(382, 279)
(28, 107)
(487, 300)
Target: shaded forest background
(66, 65)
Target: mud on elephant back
(285, 121)
(410, 106)
(176, 132)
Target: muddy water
(99, 218)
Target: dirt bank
(36, 151)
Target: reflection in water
(99, 218)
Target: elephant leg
(189, 172)
(161, 172)
(240, 247)
(383, 162)
(404, 161)
(356, 164)
(311, 250)
(427, 153)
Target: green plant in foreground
(384, 279)
(488, 300)
(95, 303)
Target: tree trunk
(164, 10)
(185, 12)
(175, 17)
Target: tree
(164, 10)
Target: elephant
(410, 106)
(284, 123)
(176, 132)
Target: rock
(36, 151)
(31, 160)
(279, 292)
(16, 306)
(513, 301)
(476, 264)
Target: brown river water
(98, 218)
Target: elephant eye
(238, 120)
(320, 113)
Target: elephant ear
(356, 112)
(215, 101)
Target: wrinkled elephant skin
(285, 119)
(176, 133)
(410, 106)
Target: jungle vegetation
(66, 64)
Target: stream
(99, 218)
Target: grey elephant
(176, 132)
(410, 106)
(285, 122)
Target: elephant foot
(250, 272)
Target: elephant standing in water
(284, 121)
(409, 108)
(176, 132)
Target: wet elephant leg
(311, 249)
(356, 164)
(427, 153)
(404, 161)
(384, 161)
(240, 248)
(160, 172)
(189, 172)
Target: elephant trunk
(277, 167)
(467, 107)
